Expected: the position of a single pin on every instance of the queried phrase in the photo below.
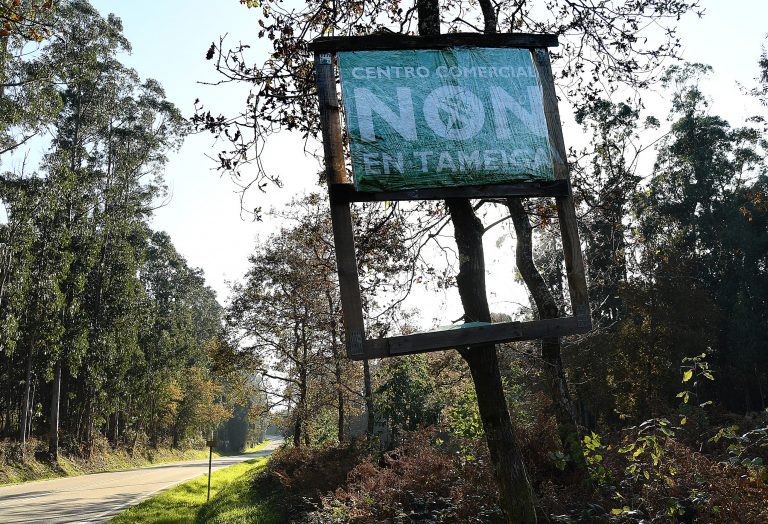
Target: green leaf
(688, 375)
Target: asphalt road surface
(98, 497)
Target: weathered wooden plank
(566, 210)
(472, 336)
(391, 41)
(347, 193)
(341, 217)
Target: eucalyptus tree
(105, 167)
(180, 319)
(28, 96)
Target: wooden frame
(342, 193)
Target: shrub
(420, 481)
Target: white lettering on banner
(445, 163)
(389, 72)
(454, 112)
(424, 156)
(390, 161)
(482, 72)
(368, 103)
(490, 160)
(371, 163)
(469, 162)
(503, 102)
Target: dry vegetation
(433, 478)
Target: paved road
(98, 497)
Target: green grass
(233, 500)
(32, 469)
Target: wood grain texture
(341, 216)
(472, 336)
(391, 41)
(347, 193)
(566, 210)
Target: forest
(658, 414)
(108, 336)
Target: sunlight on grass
(232, 500)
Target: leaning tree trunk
(547, 307)
(515, 493)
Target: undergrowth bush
(432, 478)
(426, 479)
(680, 469)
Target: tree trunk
(88, 430)
(53, 435)
(368, 391)
(340, 401)
(516, 494)
(31, 409)
(297, 432)
(116, 428)
(429, 17)
(547, 307)
(25, 401)
(334, 326)
(152, 424)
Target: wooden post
(566, 210)
(341, 216)
(210, 443)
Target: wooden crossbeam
(462, 337)
(392, 41)
(345, 193)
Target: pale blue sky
(169, 41)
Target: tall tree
(28, 96)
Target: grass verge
(16, 471)
(235, 498)
(33, 468)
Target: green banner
(444, 118)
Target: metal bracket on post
(583, 316)
(354, 343)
